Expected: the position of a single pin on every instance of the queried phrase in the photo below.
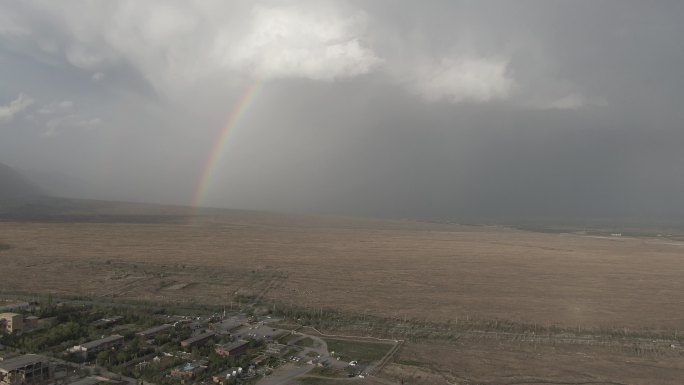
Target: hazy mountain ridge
(22, 200)
(15, 186)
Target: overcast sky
(431, 109)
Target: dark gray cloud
(450, 110)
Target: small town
(76, 343)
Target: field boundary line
(396, 341)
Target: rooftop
(96, 343)
(199, 338)
(21, 361)
(234, 344)
(107, 321)
(156, 329)
(191, 366)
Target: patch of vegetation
(362, 351)
(4, 246)
(306, 342)
(57, 335)
(323, 372)
(406, 362)
(288, 338)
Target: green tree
(103, 358)
(121, 357)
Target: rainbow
(219, 144)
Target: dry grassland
(403, 269)
(505, 362)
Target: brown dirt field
(403, 269)
(506, 362)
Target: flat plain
(431, 275)
(408, 270)
(479, 361)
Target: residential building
(189, 370)
(232, 349)
(104, 322)
(29, 369)
(155, 331)
(197, 340)
(90, 349)
(11, 323)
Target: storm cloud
(456, 110)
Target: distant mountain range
(48, 197)
(14, 186)
(22, 200)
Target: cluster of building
(35, 369)
(191, 370)
(114, 342)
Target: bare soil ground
(403, 269)
(407, 270)
(474, 361)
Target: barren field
(506, 362)
(403, 269)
